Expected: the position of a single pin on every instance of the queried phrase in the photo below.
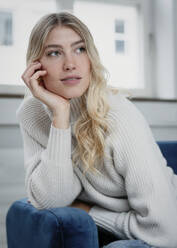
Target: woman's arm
(148, 182)
(50, 178)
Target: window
(5, 28)
(120, 46)
(117, 28)
(17, 19)
(119, 36)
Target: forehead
(62, 35)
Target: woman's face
(67, 64)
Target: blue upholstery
(169, 150)
(64, 227)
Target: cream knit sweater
(136, 196)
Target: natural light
(115, 28)
(20, 15)
(117, 34)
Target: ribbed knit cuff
(106, 219)
(59, 144)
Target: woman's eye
(80, 49)
(53, 53)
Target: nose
(69, 63)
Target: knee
(73, 217)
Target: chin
(74, 95)
(67, 94)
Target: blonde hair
(91, 127)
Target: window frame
(5, 10)
(147, 54)
(146, 29)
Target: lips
(72, 77)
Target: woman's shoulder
(119, 100)
(32, 112)
(124, 111)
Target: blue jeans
(109, 240)
(128, 244)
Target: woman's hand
(57, 104)
(33, 79)
(82, 205)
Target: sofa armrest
(50, 228)
(169, 151)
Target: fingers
(31, 71)
(38, 74)
(35, 85)
(31, 67)
(32, 76)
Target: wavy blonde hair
(91, 127)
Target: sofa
(64, 227)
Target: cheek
(48, 65)
(53, 72)
(48, 78)
(86, 66)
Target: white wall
(165, 48)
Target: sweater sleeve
(50, 179)
(148, 182)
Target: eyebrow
(60, 46)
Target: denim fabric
(128, 244)
(109, 240)
(65, 227)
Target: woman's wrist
(60, 123)
(61, 118)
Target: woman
(86, 146)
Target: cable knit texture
(136, 195)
